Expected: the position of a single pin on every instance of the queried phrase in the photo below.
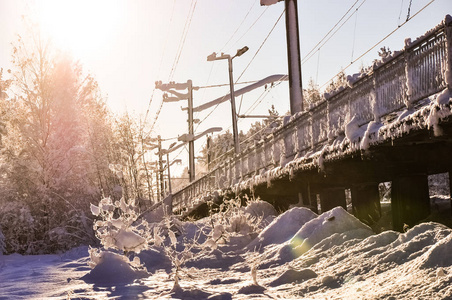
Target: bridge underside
(406, 162)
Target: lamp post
(213, 57)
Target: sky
(128, 45)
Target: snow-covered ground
(298, 255)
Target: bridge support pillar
(450, 191)
(332, 197)
(366, 202)
(308, 197)
(410, 201)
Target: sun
(79, 26)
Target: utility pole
(160, 168)
(179, 96)
(293, 54)
(209, 157)
(234, 113)
(157, 185)
(169, 174)
(191, 144)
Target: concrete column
(450, 190)
(332, 197)
(366, 202)
(308, 197)
(410, 200)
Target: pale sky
(128, 45)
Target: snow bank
(416, 242)
(112, 269)
(293, 276)
(334, 221)
(282, 228)
(260, 209)
(154, 259)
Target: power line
(178, 54)
(277, 21)
(325, 36)
(238, 27)
(226, 84)
(183, 38)
(400, 13)
(160, 65)
(249, 28)
(380, 41)
(260, 47)
(309, 56)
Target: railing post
(409, 80)
(448, 33)
(375, 101)
(311, 135)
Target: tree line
(60, 150)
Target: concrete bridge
(391, 123)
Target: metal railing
(403, 79)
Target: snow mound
(154, 259)
(293, 276)
(251, 289)
(260, 209)
(282, 228)
(424, 242)
(112, 269)
(439, 255)
(334, 221)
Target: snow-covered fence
(398, 81)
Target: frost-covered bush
(234, 220)
(118, 228)
(2, 242)
(18, 228)
(32, 228)
(179, 251)
(122, 236)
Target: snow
(330, 256)
(282, 228)
(111, 269)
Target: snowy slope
(340, 259)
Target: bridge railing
(397, 82)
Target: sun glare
(79, 26)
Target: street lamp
(213, 57)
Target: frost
(352, 130)
(127, 240)
(95, 210)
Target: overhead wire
(326, 35)
(354, 34)
(258, 50)
(252, 25)
(377, 43)
(260, 47)
(240, 25)
(226, 84)
(160, 65)
(183, 38)
(249, 28)
(400, 13)
(311, 54)
(178, 54)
